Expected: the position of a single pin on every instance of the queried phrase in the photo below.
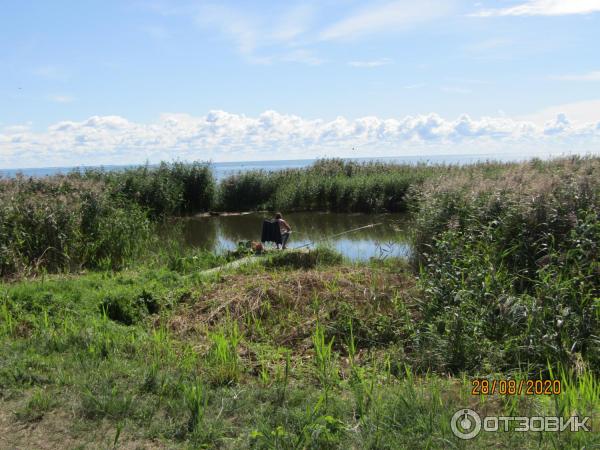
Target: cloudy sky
(128, 81)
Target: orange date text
(483, 386)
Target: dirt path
(245, 261)
(232, 265)
(59, 429)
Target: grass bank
(257, 358)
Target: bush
(128, 307)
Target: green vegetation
(61, 224)
(95, 219)
(515, 256)
(320, 256)
(166, 190)
(327, 185)
(300, 350)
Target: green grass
(329, 369)
(320, 256)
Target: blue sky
(127, 81)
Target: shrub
(128, 307)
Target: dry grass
(61, 428)
(291, 302)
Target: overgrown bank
(96, 219)
(310, 351)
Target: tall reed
(509, 265)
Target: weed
(223, 359)
(325, 360)
(321, 256)
(196, 401)
(39, 403)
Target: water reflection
(224, 232)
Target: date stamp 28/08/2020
(483, 386)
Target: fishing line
(336, 235)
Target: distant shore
(224, 169)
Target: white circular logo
(465, 424)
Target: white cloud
(587, 111)
(303, 56)
(545, 8)
(238, 27)
(52, 73)
(260, 37)
(224, 136)
(292, 23)
(590, 76)
(557, 126)
(60, 98)
(289, 32)
(16, 129)
(373, 63)
(385, 17)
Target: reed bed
(327, 185)
(509, 264)
(93, 219)
(64, 224)
(170, 189)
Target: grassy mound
(304, 259)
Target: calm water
(224, 232)
(221, 170)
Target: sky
(129, 81)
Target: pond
(387, 239)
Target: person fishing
(285, 229)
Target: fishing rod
(338, 234)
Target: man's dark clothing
(271, 232)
